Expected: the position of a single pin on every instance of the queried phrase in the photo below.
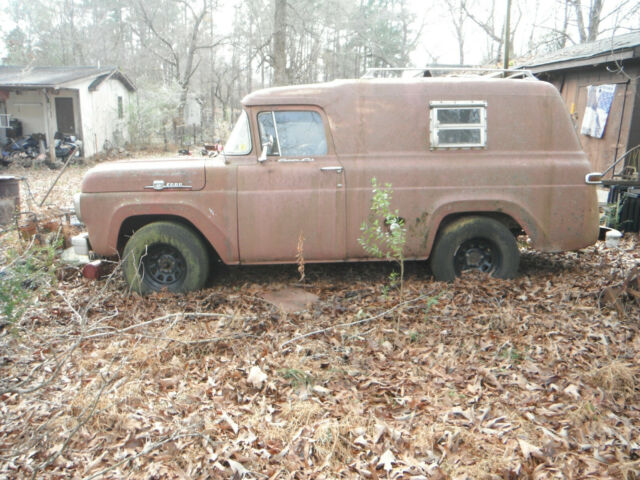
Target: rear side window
(292, 133)
(458, 124)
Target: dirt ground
(536, 377)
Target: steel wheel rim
(163, 266)
(477, 254)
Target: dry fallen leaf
(529, 450)
(387, 459)
(229, 421)
(573, 391)
(256, 377)
(237, 468)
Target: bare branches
(174, 58)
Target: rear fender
(494, 208)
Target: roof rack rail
(437, 71)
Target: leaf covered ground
(535, 377)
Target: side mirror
(265, 149)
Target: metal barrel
(9, 198)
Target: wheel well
(131, 224)
(503, 218)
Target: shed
(88, 102)
(598, 74)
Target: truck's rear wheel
(475, 243)
(165, 255)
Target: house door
(64, 115)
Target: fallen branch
(160, 319)
(350, 324)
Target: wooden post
(48, 123)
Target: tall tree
(278, 53)
(458, 19)
(180, 56)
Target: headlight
(76, 205)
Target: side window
(292, 133)
(239, 141)
(458, 124)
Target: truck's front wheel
(165, 255)
(475, 243)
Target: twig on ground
(350, 324)
(90, 410)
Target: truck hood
(146, 175)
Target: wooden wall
(623, 125)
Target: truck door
(291, 201)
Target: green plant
(297, 378)
(23, 277)
(430, 303)
(511, 354)
(384, 233)
(612, 213)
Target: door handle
(332, 169)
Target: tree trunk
(279, 53)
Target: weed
(414, 337)
(617, 378)
(300, 256)
(430, 303)
(612, 213)
(512, 354)
(23, 277)
(297, 378)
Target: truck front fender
(212, 222)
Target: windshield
(239, 142)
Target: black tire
(475, 243)
(165, 255)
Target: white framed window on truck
(458, 124)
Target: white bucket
(612, 238)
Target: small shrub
(384, 233)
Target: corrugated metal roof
(55, 77)
(605, 46)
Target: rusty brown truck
(473, 162)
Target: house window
(458, 124)
(120, 108)
(292, 133)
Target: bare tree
(457, 13)
(181, 57)
(278, 52)
(589, 32)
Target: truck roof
(384, 115)
(325, 94)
